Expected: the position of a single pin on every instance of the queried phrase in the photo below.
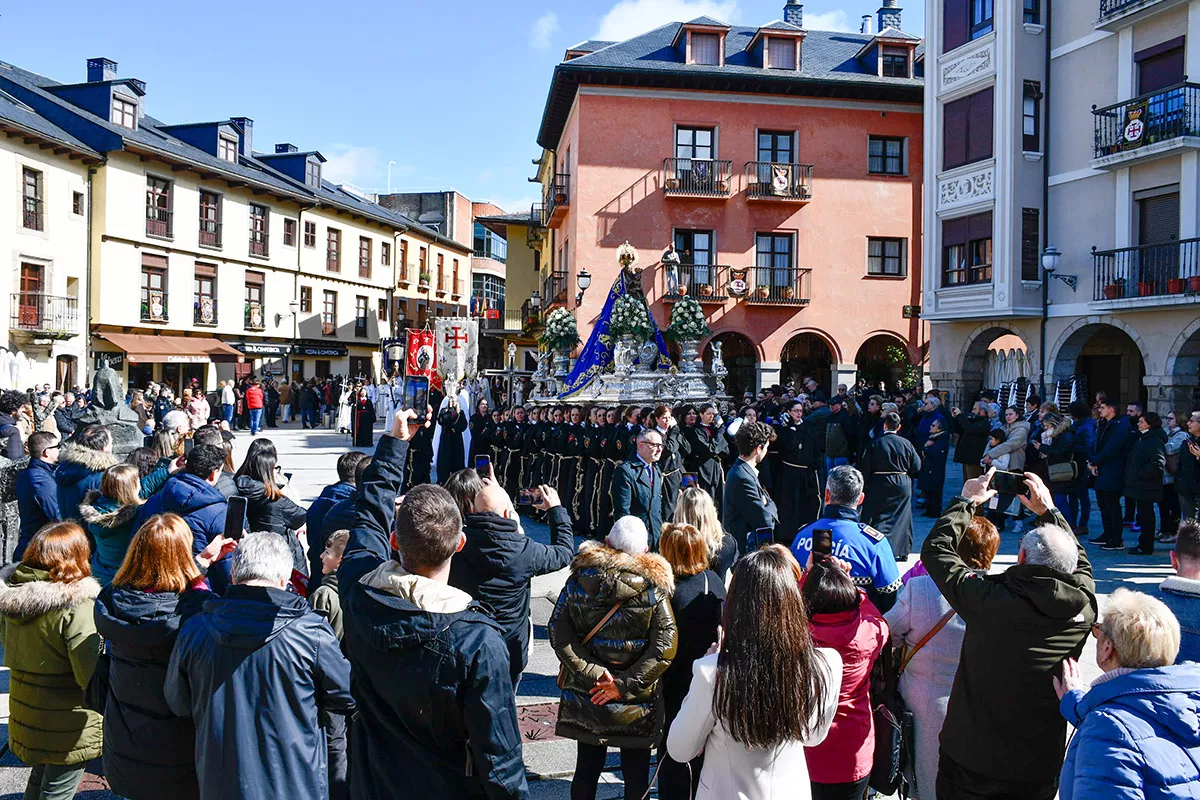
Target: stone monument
(108, 409)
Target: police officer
(872, 564)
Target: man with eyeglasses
(637, 485)
(37, 493)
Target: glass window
(695, 248)
(259, 229)
(773, 259)
(489, 244)
(781, 53)
(210, 218)
(981, 18)
(124, 112)
(31, 181)
(360, 316)
(885, 155)
(775, 147)
(487, 292)
(306, 299)
(1033, 12)
(158, 206)
(227, 149)
(885, 256)
(706, 49)
(895, 62)
(289, 233)
(154, 293)
(967, 250)
(385, 253)
(310, 234)
(694, 143)
(333, 250)
(364, 257)
(329, 312)
(1030, 113)
(312, 173)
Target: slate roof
(780, 25)
(511, 218)
(590, 46)
(32, 89)
(829, 68)
(14, 113)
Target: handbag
(561, 682)
(1061, 473)
(95, 694)
(895, 738)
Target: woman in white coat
(762, 693)
(929, 675)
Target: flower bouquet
(630, 318)
(687, 321)
(561, 332)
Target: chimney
(889, 15)
(286, 147)
(865, 25)
(793, 13)
(245, 127)
(101, 69)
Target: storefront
(321, 360)
(262, 358)
(175, 361)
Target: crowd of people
(733, 610)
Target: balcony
(205, 311)
(778, 181)
(708, 283)
(1147, 274)
(558, 199)
(258, 247)
(504, 320)
(536, 231)
(1117, 14)
(31, 216)
(333, 262)
(554, 289)
(406, 271)
(697, 177)
(364, 268)
(159, 222)
(210, 233)
(256, 318)
(154, 305)
(52, 316)
(1147, 127)
(780, 286)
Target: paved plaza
(310, 455)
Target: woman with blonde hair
(1055, 446)
(110, 514)
(148, 751)
(696, 508)
(51, 647)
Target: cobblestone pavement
(311, 455)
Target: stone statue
(108, 409)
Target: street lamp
(294, 313)
(585, 280)
(1050, 261)
(512, 365)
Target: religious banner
(421, 353)
(738, 286)
(457, 345)
(1133, 134)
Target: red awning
(151, 349)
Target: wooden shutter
(1160, 71)
(1030, 256)
(954, 24)
(979, 126)
(206, 270)
(954, 231)
(954, 135)
(255, 279)
(979, 226)
(1158, 219)
(153, 260)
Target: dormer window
(894, 62)
(227, 149)
(781, 53)
(312, 173)
(124, 112)
(706, 49)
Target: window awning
(146, 349)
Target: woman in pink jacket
(844, 620)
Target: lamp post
(584, 279)
(293, 312)
(1050, 261)
(512, 365)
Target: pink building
(792, 154)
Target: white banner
(458, 350)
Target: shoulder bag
(562, 668)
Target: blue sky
(450, 91)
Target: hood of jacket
(1177, 584)
(614, 576)
(247, 617)
(250, 488)
(189, 493)
(427, 595)
(132, 615)
(27, 592)
(1166, 696)
(1156, 433)
(97, 509)
(492, 541)
(75, 463)
(1052, 593)
(418, 609)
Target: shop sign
(171, 359)
(260, 349)
(321, 351)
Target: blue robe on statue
(597, 355)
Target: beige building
(1077, 134)
(44, 213)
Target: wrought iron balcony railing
(205, 311)
(55, 316)
(31, 217)
(697, 177)
(554, 288)
(1148, 119)
(786, 286)
(708, 283)
(256, 316)
(1171, 269)
(159, 222)
(775, 180)
(558, 195)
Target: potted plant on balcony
(1115, 290)
(1194, 283)
(423, 280)
(789, 292)
(1176, 285)
(705, 289)
(1145, 288)
(763, 292)
(688, 327)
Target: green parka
(51, 646)
(636, 645)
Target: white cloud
(361, 166)
(632, 17)
(830, 21)
(544, 27)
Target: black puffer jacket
(149, 753)
(972, 437)
(1144, 466)
(281, 516)
(636, 645)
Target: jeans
(1110, 514)
(1079, 507)
(256, 415)
(635, 767)
(958, 782)
(227, 412)
(672, 280)
(53, 781)
(285, 412)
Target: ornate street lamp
(1050, 261)
(584, 279)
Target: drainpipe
(1045, 206)
(87, 294)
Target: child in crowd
(995, 439)
(324, 600)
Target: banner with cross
(457, 349)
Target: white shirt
(227, 396)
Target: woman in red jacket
(845, 620)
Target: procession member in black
(588, 509)
(481, 432)
(529, 454)
(499, 450)
(797, 493)
(888, 469)
(362, 419)
(612, 450)
(706, 441)
(450, 457)
(541, 435)
(515, 431)
(418, 468)
(671, 462)
(549, 449)
(570, 471)
(628, 430)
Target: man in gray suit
(637, 485)
(746, 503)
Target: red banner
(422, 354)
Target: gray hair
(844, 484)
(1051, 546)
(262, 556)
(629, 535)
(934, 401)
(174, 420)
(1142, 629)
(646, 433)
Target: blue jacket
(1137, 737)
(933, 462)
(632, 495)
(253, 670)
(79, 471)
(110, 525)
(1113, 442)
(926, 422)
(331, 494)
(1182, 596)
(747, 506)
(37, 501)
(872, 563)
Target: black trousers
(1145, 521)
(960, 783)
(854, 790)
(635, 768)
(1110, 514)
(339, 758)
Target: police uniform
(872, 564)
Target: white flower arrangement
(687, 320)
(630, 318)
(560, 332)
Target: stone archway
(973, 360)
(1106, 355)
(741, 359)
(808, 354)
(1180, 390)
(884, 358)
